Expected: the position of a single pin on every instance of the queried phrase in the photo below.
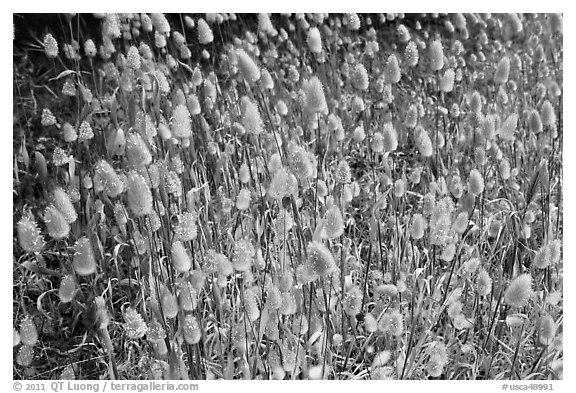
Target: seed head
(186, 229)
(68, 289)
(475, 182)
(314, 40)
(247, 67)
(205, 35)
(314, 100)
(411, 54)
(138, 194)
(29, 236)
(137, 152)
(320, 260)
(423, 142)
(502, 71)
(519, 291)
(359, 77)
(180, 259)
(28, 331)
(392, 70)
(436, 56)
(84, 261)
(181, 124)
(243, 254)
(333, 223)
(62, 202)
(134, 325)
(191, 330)
(50, 46)
(251, 119)
(56, 224)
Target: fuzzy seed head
(137, 152)
(547, 114)
(68, 289)
(534, 122)
(29, 236)
(519, 291)
(314, 100)
(411, 54)
(180, 259)
(108, 180)
(205, 35)
(242, 255)
(320, 261)
(247, 67)
(186, 229)
(333, 223)
(84, 262)
(314, 40)
(181, 123)
(28, 331)
(546, 329)
(475, 182)
(392, 70)
(191, 330)
(134, 325)
(483, 283)
(63, 203)
(138, 194)
(251, 119)
(447, 81)
(56, 224)
(359, 77)
(502, 71)
(423, 142)
(50, 46)
(436, 56)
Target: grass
(303, 254)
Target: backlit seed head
(352, 303)
(314, 40)
(333, 223)
(84, 262)
(181, 123)
(138, 194)
(180, 259)
(205, 35)
(534, 122)
(50, 46)
(243, 199)
(56, 224)
(483, 283)
(62, 202)
(85, 132)
(502, 71)
(390, 137)
(411, 54)
(543, 257)
(342, 173)
(29, 236)
(359, 77)
(418, 226)
(392, 322)
(436, 56)
(186, 230)
(320, 260)
(353, 21)
(251, 119)
(137, 152)
(68, 289)
(475, 182)
(108, 180)
(447, 81)
(191, 330)
(47, 119)
(508, 128)
(134, 325)
(28, 331)
(242, 255)
(314, 100)
(392, 70)
(519, 291)
(476, 103)
(423, 142)
(546, 329)
(547, 114)
(247, 67)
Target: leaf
(63, 74)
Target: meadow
(288, 196)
